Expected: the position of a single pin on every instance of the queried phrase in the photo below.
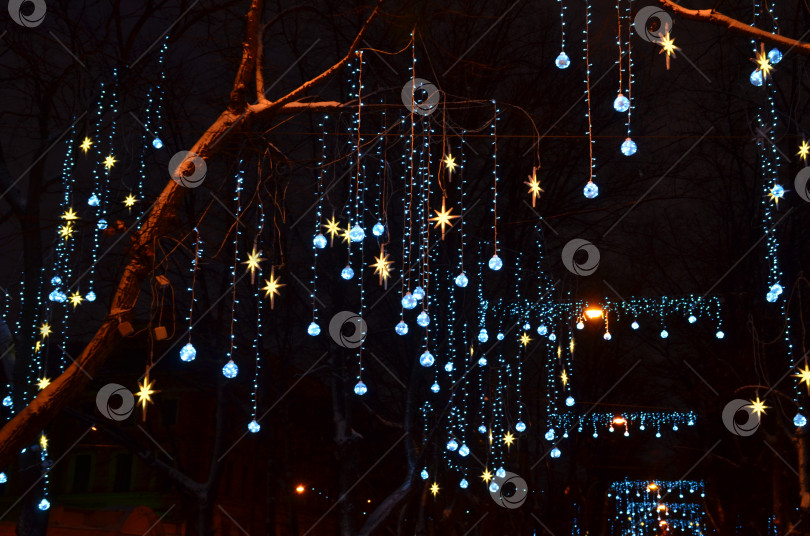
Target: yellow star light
(345, 234)
(382, 266)
(37, 346)
(70, 215)
(443, 218)
(271, 290)
(571, 346)
(109, 162)
(43, 382)
(76, 299)
(508, 438)
(525, 339)
(534, 186)
(332, 227)
(66, 231)
(668, 47)
(487, 476)
(86, 143)
(254, 258)
(145, 393)
(130, 200)
(804, 376)
(43, 442)
(564, 377)
(804, 150)
(434, 489)
(758, 406)
(763, 62)
(45, 330)
(450, 163)
(559, 351)
(776, 193)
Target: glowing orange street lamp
(593, 313)
(299, 489)
(652, 486)
(618, 420)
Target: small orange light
(369, 501)
(593, 313)
(652, 486)
(619, 420)
(94, 428)
(299, 489)
(661, 507)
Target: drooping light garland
(591, 190)
(231, 369)
(658, 505)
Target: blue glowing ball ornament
(775, 291)
(499, 336)
(7, 401)
(527, 326)
(319, 241)
(435, 387)
(53, 295)
(61, 297)
(552, 337)
(664, 334)
(464, 450)
(756, 78)
(719, 334)
(461, 280)
(501, 472)
(569, 401)
(692, 319)
(621, 103)
(482, 362)
(542, 330)
(378, 229)
(188, 353)
(360, 388)
(44, 504)
(482, 429)
(448, 367)
(774, 56)
(495, 263)
(401, 328)
(347, 273)
(799, 420)
(357, 234)
(101, 224)
(562, 61)
(494, 487)
(580, 325)
(424, 474)
(520, 426)
(555, 452)
(607, 336)
(419, 293)
(408, 301)
(550, 434)
(423, 319)
(483, 336)
(778, 191)
(93, 201)
(230, 370)
(629, 147)
(675, 427)
(313, 329)
(657, 434)
(56, 280)
(591, 190)
(254, 427)
(426, 359)
(452, 445)
(157, 143)
(91, 296)
(634, 325)
(3, 478)
(463, 484)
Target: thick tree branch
(736, 26)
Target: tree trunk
(347, 463)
